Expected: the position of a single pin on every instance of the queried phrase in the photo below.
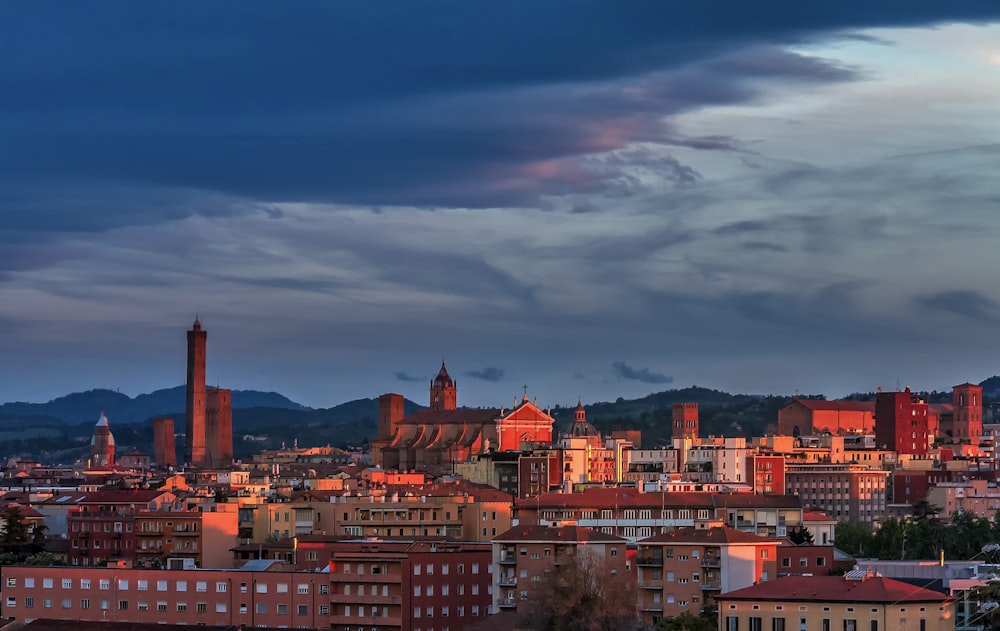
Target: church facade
(435, 439)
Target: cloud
(402, 376)
(645, 375)
(489, 373)
(974, 305)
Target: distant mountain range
(80, 407)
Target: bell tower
(444, 391)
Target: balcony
(366, 599)
(508, 559)
(711, 586)
(711, 561)
(381, 621)
(649, 560)
(508, 603)
(651, 607)
(508, 581)
(651, 584)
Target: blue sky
(594, 199)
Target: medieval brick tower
(967, 423)
(444, 391)
(102, 445)
(218, 427)
(194, 440)
(164, 450)
(685, 420)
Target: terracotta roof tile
(874, 589)
(843, 406)
(577, 534)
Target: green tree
(854, 539)
(15, 533)
(38, 542)
(801, 536)
(582, 595)
(687, 621)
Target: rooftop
(870, 589)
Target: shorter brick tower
(967, 402)
(218, 428)
(685, 420)
(390, 413)
(164, 450)
(102, 445)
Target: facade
(901, 423)
(102, 445)
(102, 526)
(525, 554)
(855, 602)
(967, 414)
(684, 420)
(766, 474)
(812, 417)
(683, 570)
(390, 585)
(844, 491)
(236, 598)
(438, 438)
(164, 450)
(205, 536)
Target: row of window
(163, 585)
(445, 590)
(755, 623)
(428, 612)
(162, 606)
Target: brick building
(853, 492)
(525, 554)
(684, 420)
(102, 526)
(901, 423)
(398, 585)
(164, 449)
(811, 417)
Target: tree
(582, 595)
(687, 621)
(801, 536)
(854, 539)
(15, 534)
(38, 541)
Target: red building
(164, 450)
(403, 585)
(194, 411)
(102, 527)
(901, 422)
(685, 420)
(811, 417)
(811, 560)
(967, 420)
(766, 474)
(218, 428)
(102, 445)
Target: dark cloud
(489, 373)
(403, 376)
(645, 375)
(970, 304)
(377, 103)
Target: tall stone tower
(164, 450)
(685, 420)
(967, 402)
(218, 428)
(194, 434)
(102, 445)
(444, 391)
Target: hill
(80, 407)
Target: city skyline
(596, 201)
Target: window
(786, 562)
(261, 588)
(755, 623)
(732, 623)
(182, 606)
(262, 608)
(417, 611)
(142, 585)
(282, 588)
(85, 603)
(161, 586)
(67, 583)
(142, 605)
(778, 624)
(201, 586)
(182, 586)
(324, 610)
(47, 583)
(874, 625)
(850, 624)
(104, 584)
(161, 605)
(303, 610)
(416, 590)
(220, 587)
(105, 604)
(220, 607)
(122, 605)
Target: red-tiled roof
(815, 515)
(874, 589)
(558, 534)
(750, 500)
(131, 496)
(710, 536)
(458, 416)
(843, 406)
(610, 498)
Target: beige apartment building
(685, 569)
(858, 601)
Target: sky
(591, 199)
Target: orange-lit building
(685, 420)
(811, 417)
(901, 423)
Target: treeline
(921, 536)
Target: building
(401, 585)
(853, 492)
(684, 569)
(813, 417)
(258, 595)
(218, 428)
(102, 526)
(102, 445)
(901, 423)
(525, 554)
(766, 474)
(858, 601)
(438, 438)
(204, 536)
(684, 417)
(164, 450)
(967, 419)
